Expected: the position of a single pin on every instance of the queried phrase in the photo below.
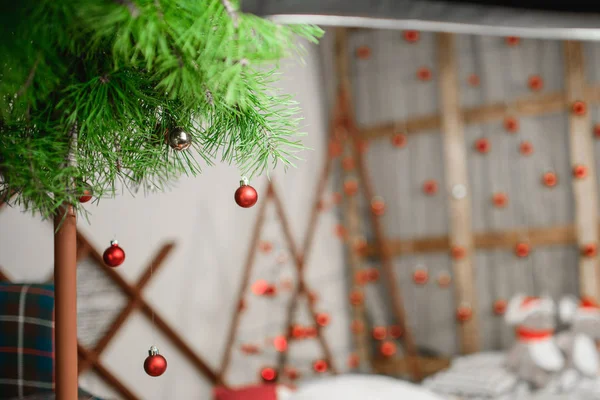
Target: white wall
(196, 289)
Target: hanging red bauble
(268, 374)
(348, 163)
(535, 82)
(280, 343)
(399, 140)
(579, 108)
(395, 331)
(320, 366)
(114, 255)
(430, 187)
(356, 297)
(291, 373)
(322, 319)
(373, 274)
(86, 193)
(597, 131)
(420, 276)
(155, 364)
(458, 252)
(357, 327)
(335, 148)
(298, 332)
(379, 332)
(526, 148)
(270, 291)
(353, 361)
(522, 250)
(482, 145)
(387, 349)
(363, 52)
(500, 306)
(444, 279)
(350, 186)
(550, 179)
(474, 80)
(464, 313)
(361, 277)
(512, 40)
(589, 250)
(260, 287)
(245, 196)
(424, 74)
(580, 171)
(511, 124)
(377, 206)
(500, 200)
(411, 36)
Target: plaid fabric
(83, 395)
(26, 339)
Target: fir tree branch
(30, 77)
(231, 12)
(133, 10)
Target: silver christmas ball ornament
(179, 139)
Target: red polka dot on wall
(320, 366)
(580, 171)
(363, 52)
(535, 83)
(424, 74)
(411, 36)
(579, 108)
(473, 80)
(499, 199)
(526, 148)
(379, 332)
(399, 140)
(511, 124)
(500, 306)
(482, 145)
(388, 349)
(430, 187)
(550, 179)
(589, 250)
(512, 40)
(522, 249)
(464, 313)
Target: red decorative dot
(482, 145)
(388, 349)
(589, 250)
(379, 332)
(86, 196)
(499, 199)
(249, 349)
(373, 274)
(420, 276)
(424, 74)
(444, 279)
(580, 171)
(535, 83)
(280, 343)
(336, 198)
(335, 148)
(512, 40)
(268, 374)
(311, 332)
(270, 291)
(411, 36)
(320, 366)
(298, 332)
(353, 361)
(500, 306)
(511, 124)
(340, 231)
(464, 313)
(597, 131)
(550, 179)
(399, 140)
(357, 327)
(322, 319)
(430, 187)
(350, 186)
(363, 52)
(526, 148)
(522, 250)
(395, 331)
(474, 80)
(458, 252)
(265, 246)
(356, 298)
(361, 277)
(348, 163)
(377, 206)
(291, 373)
(260, 287)
(579, 108)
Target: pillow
(26, 339)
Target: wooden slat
(581, 151)
(455, 161)
(399, 366)
(529, 106)
(553, 236)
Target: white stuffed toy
(535, 357)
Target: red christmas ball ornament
(511, 124)
(580, 171)
(377, 206)
(268, 374)
(500, 306)
(395, 331)
(399, 140)
(430, 187)
(86, 193)
(535, 83)
(522, 250)
(353, 361)
(245, 196)
(526, 148)
(260, 287)
(379, 332)
(464, 313)
(114, 255)
(549, 179)
(579, 108)
(335, 148)
(350, 186)
(361, 277)
(155, 364)
(348, 163)
(458, 252)
(589, 250)
(424, 74)
(357, 327)
(356, 297)
(420, 276)
(320, 366)
(444, 279)
(482, 145)
(322, 319)
(388, 349)
(298, 332)
(280, 343)
(411, 36)
(474, 80)
(512, 41)
(597, 131)
(499, 200)
(363, 52)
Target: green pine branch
(125, 72)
